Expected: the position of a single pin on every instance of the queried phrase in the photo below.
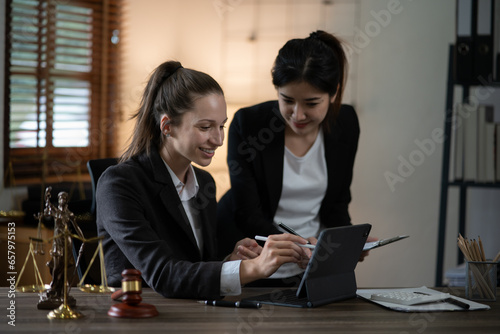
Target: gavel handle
(117, 294)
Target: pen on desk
(261, 238)
(225, 303)
(457, 303)
(290, 230)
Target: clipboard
(383, 242)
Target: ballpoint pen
(450, 300)
(457, 303)
(225, 303)
(290, 230)
(261, 238)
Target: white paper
(432, 307)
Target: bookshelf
(462, 186)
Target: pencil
(483, 257)
(474, 252)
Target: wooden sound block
(131, 306)
(141, 310)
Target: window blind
(62, 85)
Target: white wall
(401, 98)
(401, 101)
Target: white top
(304, 187)
(230, 272)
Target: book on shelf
(457, 147)
(485, 144)
(470, 142)
(477, 40)
(476, 144)
(464, 55)
(483, 39)
(496, 40)
(497, 152)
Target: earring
(164, 128)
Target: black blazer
(145, 227)
(256, 144)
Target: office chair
(96, 167)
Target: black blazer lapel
(209, 236)
(331, 144)
(173, 204)
(169, 196)
(336, 153)
(273, 158)
(205, 206)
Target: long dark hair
(318, 60)
(171, 90)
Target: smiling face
(197, 135)
(303, 107)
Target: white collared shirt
(230, 284)
(187, 192)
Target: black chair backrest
(96, 167)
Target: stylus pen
(225, 303)
(261, 238)
(290, 230)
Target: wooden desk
(187, 316)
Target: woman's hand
(245, 249)
(308, 252)
(278, 249)
(366, 253)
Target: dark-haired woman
(157, 212)
(291, 160)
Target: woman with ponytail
(156, 212)
(291, 160)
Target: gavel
(130, 293)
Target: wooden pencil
(483, 256)
(473, 251)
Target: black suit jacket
(145, 227)
(255, 160)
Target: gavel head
(131, 286)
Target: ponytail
(171, 90)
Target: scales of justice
(62, 264)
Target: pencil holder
(481, 280)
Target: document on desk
(430, 307)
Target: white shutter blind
(51, 41)
(62, 81)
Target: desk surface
(188, 316)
